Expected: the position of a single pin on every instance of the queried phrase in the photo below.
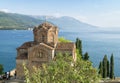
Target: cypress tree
(108, 71)
(79, 46)
(112, 67)
(86, 56)
(105, 66)
(77, 43)
(101, 69)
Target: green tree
(108, 69)
(86, 56)
(105, 66)
(112, 67)
(101, 68)
(63, 70)
(1, 69)
(79, 46)
(77, 43)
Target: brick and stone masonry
(43, 49)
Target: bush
(63, 70)
(1, 69)
(62, 39)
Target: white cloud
(81, 18)
(57, 15)
(109, 19)
(110, 13)
(103, 19)
(4, 10)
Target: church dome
(46, 25)
(46, 33)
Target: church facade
(43, 49)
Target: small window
(40, 54)
(43, 38)
(51, 38)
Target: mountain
(17, 21)
(65, 23)
(69, 24)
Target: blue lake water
(96, 44)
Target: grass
(62, 39)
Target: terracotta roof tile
(46, 46)
(26, 45)
(65, 46)
(22, 56)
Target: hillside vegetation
(65, 23)
(17, 21)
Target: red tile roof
(22, 56)
(26, 45)
(65, 46)
(46, 46)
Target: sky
(103, 13)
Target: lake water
(96, 44)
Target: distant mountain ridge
(17, 21)
(65, 23)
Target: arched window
(43, 38)
(51, 38)
(40, 54)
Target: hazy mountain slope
(17, 21)
(66, 23)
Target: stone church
(43, 49)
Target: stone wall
(42, 50)
(39, 54)
(20, 69)
(21, 51)
(53, 36)
(46, 34)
